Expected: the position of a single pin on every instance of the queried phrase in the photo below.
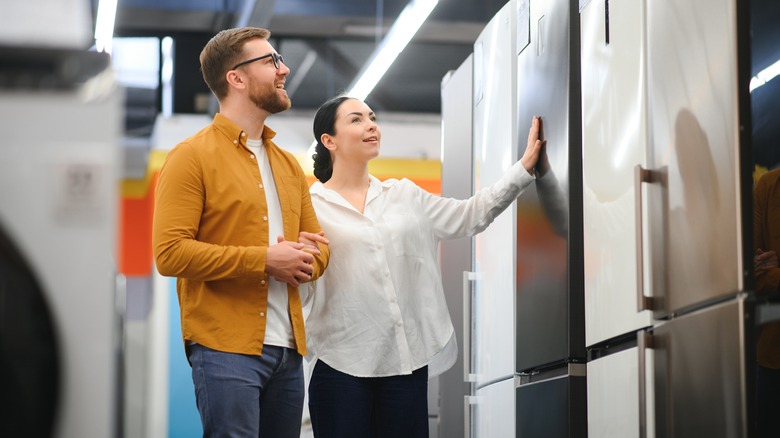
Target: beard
(270, 101)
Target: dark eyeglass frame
(273, 55)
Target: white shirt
(278, 329)
(379, 310)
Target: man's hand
(289, 263)
(310, 240)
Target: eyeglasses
(275, 56)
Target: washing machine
(60, 317)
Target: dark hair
(325, 123)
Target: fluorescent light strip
(765, 76)
(401, 32)
(399, 35)
(104, 25)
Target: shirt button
(398, 323)
(265, 218)
(260, 185)
(262, 314)
(235, 141)
(252, 157)
(262, 282)
(392, 300)
(243, 134)
(387, 274)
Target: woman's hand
(534, 147)
(310, 240)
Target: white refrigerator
(489, 288)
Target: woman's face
(357, 135)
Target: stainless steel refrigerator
(550, 336)
(666, 207)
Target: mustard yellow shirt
(211, 232)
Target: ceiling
(326, 42)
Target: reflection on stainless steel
(694, 131)
(699, 389)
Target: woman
(378, 318)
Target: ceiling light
(765, 76)
(104, 25)
(399, 35)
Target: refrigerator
(488, 342)
(666, 205)
(549, 302)
(614, 143)
(456, 255)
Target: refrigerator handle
(468, 321)
(469, 405)
(641, 175)
(644, 341)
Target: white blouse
(379, 309)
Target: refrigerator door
(553, 404)
(613, 143)
(700, 373)
(490, 412)
(456, 255)
(491, 316)
(617, 407)
(694, 139)
(549, 312)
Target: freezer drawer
(554, 406)
(700, 375)
(617, 407)
(488, 413)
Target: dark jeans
(241, 395)
(768, 402)
(382, 407)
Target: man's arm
(179, 201)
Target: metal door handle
(644, 341)
(641, 175)
(468, 277)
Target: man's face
(265, 80)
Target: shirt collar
(374, 189)
(235, 134)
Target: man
(234, 223)
(766, 240)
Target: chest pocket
(406, 234)
(290, 195)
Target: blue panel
(183, 417)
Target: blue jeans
(241, 395)
(346, 406)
